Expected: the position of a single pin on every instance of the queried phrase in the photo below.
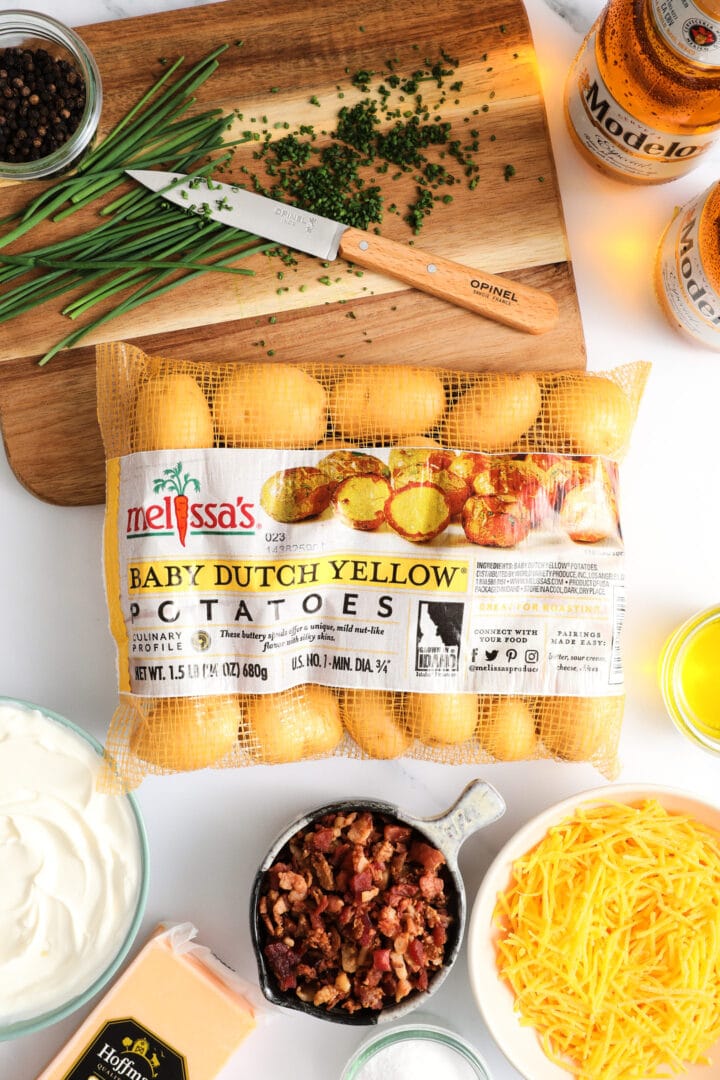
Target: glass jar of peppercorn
(50, 96)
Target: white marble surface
(208, 831)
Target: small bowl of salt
(416, 1051)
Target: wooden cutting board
(293, 65)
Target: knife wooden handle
(498, 298)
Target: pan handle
(478, 805)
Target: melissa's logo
(177, 515)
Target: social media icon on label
(491, 654)
(531, 656)
(511, 654)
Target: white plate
(494, 998)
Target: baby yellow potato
(418, 512)
(380, 403)
(455, 489)
(319, 712)
(494, 413)
(587, 415)
(429, 453)
(172, 413)
(296, 494)
(507, 728)
(188, 733)
(371, 717)
(579, 728)
(294, 724)
(270, 405)
(442, 719)
(589, 513)
(359, 501)
(343, 463)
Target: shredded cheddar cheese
(610, 940)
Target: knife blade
(511, 303)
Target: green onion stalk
(142, 247)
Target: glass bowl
(29, 30)
(690, 678)
(35, 1023)
(437, 1047)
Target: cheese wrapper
(176, 1013)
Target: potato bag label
(405, 569)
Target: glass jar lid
(416, 1051)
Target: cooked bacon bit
(370, 997)
(416, 952)
(398, 872)
(355, 913)
(381, 959)
(361, 829)
(396, 833)
(346, 914)
(359, 860)
(397, 962)
(282, 961)
(374, 977)
(323, 872)
(388, 922)
(431, 886)
(327, 996)
(360, 882)
(427, 856)
(349, 958)
(401, 943)
(383, 853)
(368, 933)
(322, 840)
(279, 908)
(293, 883)
(396, 893)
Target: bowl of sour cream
(73, 868)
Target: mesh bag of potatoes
(312, 560)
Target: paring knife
(497, 298)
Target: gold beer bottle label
(623, 143)
(685, 291)
(688, 30)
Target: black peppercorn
(42, 100)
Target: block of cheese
(176, 1013)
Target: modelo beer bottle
(643, 96)
(687, 270)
